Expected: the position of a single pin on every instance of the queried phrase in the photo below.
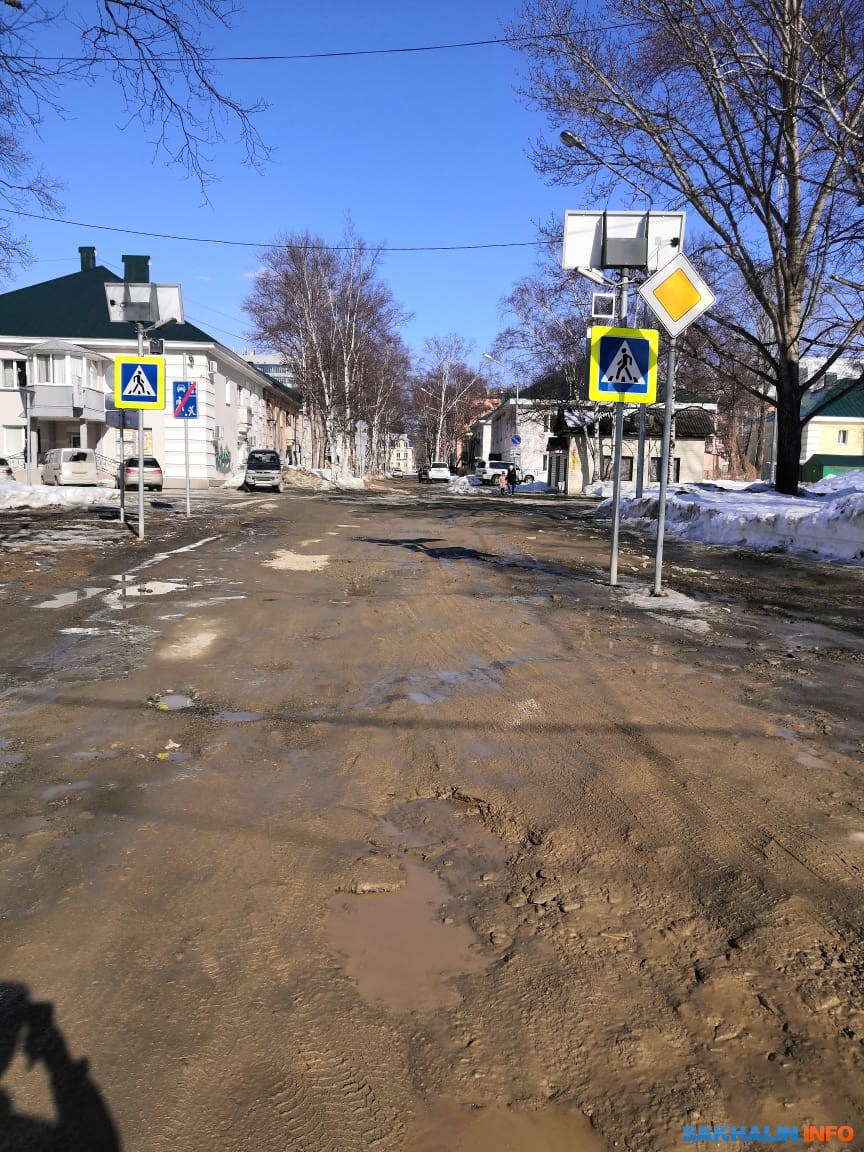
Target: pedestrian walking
(502, 483)
(512, 479)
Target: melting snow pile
(15, 495)
(826, 519)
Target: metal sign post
(677, 295)
(626, 242)
(622, 370)
(122, 472)
(186, 408)
(139, 383)
(664, 464)
(140, 328)
(619, 436)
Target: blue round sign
(515, 439)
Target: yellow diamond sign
(676, 295)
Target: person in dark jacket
(512, 479)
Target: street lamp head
(489, 356)
(570, 139)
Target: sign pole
(619, 436)
(186, 451)
(122, 472)
(664, 463)
(640, 454)
(140, 328)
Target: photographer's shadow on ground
(81, 1121)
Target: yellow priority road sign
(623, 365)
(139, 382)
(677, 295)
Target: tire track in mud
(720, 849)
(344, 1084)
(721, 892)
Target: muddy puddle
(397, 948)
(446, 1127)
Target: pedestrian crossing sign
(623, 365)
(139, 382)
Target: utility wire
(271, 244)
(501, 41)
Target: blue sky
(419, 149)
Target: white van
(70, 466)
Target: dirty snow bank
(826, 519)
(462, 485)
(15, 495)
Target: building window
(626, 468)
(50, 369)
(843, 436)
(654, 475)
(9, 374)
(13, 440)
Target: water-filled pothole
(448, 1128)
(396, 947)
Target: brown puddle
(449, 1128)
(396, 948)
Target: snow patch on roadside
(15, 495)
(672, 608)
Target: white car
(438, 470)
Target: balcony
(66, 402)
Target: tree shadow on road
(82, 1121)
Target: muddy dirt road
(335, 822)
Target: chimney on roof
(88, 258)
(136, 269)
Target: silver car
(263, 470)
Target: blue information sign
(185, 399)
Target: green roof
(74, 307)
(848, 407)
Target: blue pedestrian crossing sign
(139, 382)
(623, 365)
(185, 401)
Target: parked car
(488, 471)
(153, 477)
(438, 470)
(263, 470)
(5, 468)
(396, 473)
(70, 466)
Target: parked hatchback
(438, 470)
(152, 473)
(70, 466)
(263, 470)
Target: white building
(57, 353)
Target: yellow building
(401, 457)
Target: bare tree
(546, 341)
(385, 372)
(332, 319)
(445, 394)
(748, 113)
(156, 53)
